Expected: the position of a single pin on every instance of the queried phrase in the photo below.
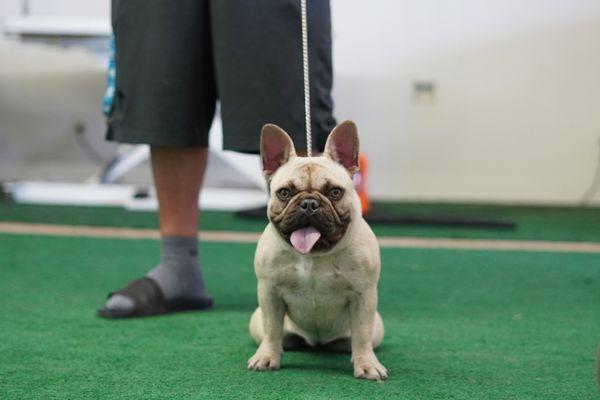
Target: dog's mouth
(310, 235)
(304, 239)
(308, 232)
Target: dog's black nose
(309, 205)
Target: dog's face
(312, 200)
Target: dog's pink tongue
(304, 239)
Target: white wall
(85, 8)
(516, 114)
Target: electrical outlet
(424, 92)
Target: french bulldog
(317, 262)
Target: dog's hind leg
(291, 339)
(378, 331)
(256, 327)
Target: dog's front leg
(268, 355)
(362, 316)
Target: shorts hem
(153, 138)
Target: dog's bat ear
(276, 148)
(342, 146)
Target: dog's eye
(284, 194)
(335, 193)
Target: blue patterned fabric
(109, 95)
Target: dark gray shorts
(175, 59)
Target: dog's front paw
(264, 361)
(368, 367)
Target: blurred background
(493, 101)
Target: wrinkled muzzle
(311, 223)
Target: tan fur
(325, 297)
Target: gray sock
(178, 275)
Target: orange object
(360, 183)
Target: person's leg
(165, 97)
(178, 174)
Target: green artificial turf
(533, 223)
(459, 325)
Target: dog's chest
(316, 287)
(318, 276)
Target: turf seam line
(252, 237)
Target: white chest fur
(317, 293)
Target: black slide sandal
(149, 300)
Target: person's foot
(176, 284)
(119, 303)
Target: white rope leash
(307, 120)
